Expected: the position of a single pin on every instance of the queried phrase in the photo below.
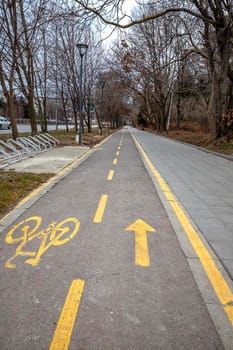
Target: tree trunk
(45, 123)
(11, 111)
(178, 111)
(217, 101)
(32, 113)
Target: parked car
(4, 123)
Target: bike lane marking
(140, 228)
(65, 325)
(30, 229)
(110, 174)
(221, 287)
(100, 209)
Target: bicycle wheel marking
(26, 231)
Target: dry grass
(14, 186)
(194, 135)
(88, 139)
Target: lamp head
(82, 48)
(102, 83)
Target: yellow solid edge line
(114, 161)
(217, 280)
(63, 332)
(100, 210)
(74, 163)
(110, 174)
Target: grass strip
(14, 186)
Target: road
(27, 128)
(109, 258)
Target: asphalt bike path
(95, 264)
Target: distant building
(199, 65)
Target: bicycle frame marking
(28, 230)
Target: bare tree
(63, 34)
(216, 22)
(146, 58)
(64, 62)
(8, 56)
(30, 17)
(20, 24)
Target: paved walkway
(50, 161)
(202, 183)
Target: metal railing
(12, 151)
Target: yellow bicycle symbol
(55, 234)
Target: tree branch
(97, 13)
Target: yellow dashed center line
(114, 161)
(100, 210)
(110, 174)
(63, 332)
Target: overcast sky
(128, 7)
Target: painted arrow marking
(141, 228)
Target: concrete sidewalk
(50, 161)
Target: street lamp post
(82, 50)
(102, 84)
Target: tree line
(171, 61)
(177, 57)
(39, 60)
